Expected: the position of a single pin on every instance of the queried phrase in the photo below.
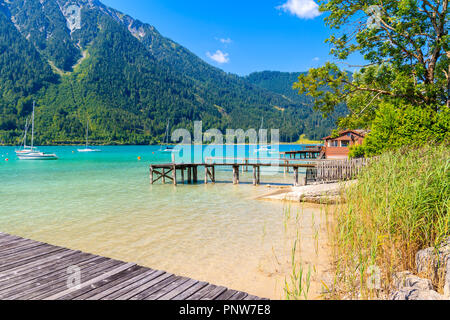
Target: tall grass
(399, 205)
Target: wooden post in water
(182, 175)
(164, 176)
(214, 174)
(254, 176)
(174, 175)
(151, 175)
(195, 174)
(189, 174)
(295, 176)
(235, 174)
(258, 176)
(206, 175)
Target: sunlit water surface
(103, 203)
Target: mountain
(80, 59)
(315, 125)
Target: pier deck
(169, 171)
(32, 270)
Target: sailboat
(168, 149)
(263, 148)
(87, 149)
(23, 146)
(31, 153)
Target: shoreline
(329, 193)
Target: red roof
(360, 133)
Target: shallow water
(103, 203)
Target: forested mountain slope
(123, 76)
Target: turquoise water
(103, 203)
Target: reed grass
(399, 205)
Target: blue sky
(240, 36)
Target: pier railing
(338, 170)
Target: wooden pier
(172, 171)
(32, 270)
(318, 171)
(310, 153)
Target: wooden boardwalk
(169, 171)
(32, 270)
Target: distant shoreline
(154, 145)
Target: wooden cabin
(339, 147)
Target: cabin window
(345, 144)
(333, 144)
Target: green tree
(406, 46)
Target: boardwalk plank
(240, 296)
(32, 256)
(125, 290)
(99, 284)
(226, 295)
(39, 264)
(114, 286)
(202, 292)
(35, 266)
(189, 292)
(89, 271)
(213, 294)
(9, 242)
(155, 287)
(161, 277)
(26, 289)
(175, 285)
(36, 270)
(178, 290)
(20, 249)
(117, 269)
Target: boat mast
(87, 132)
(25, 134)
(166, 137)
(32, 127)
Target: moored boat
(31, 153)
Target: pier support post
(151, 175)
(258, 176)
(164, 176)
(214, 174)
(195, 174)
(182, 175)
(235, 174)
(174, 175)
(189, 173)
(206, 175)
(255, 182)
(295, 176)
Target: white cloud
(304, 9)
(219, 57)
(316, 59)
(226, 41)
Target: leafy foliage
(407, 50)
(412, 126)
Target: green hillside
(126, 78)
(315, 125)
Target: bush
(411, 126)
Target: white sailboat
(31, 153)
(23, 145)
(263, 148)
(168, 149)
(87, 149)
